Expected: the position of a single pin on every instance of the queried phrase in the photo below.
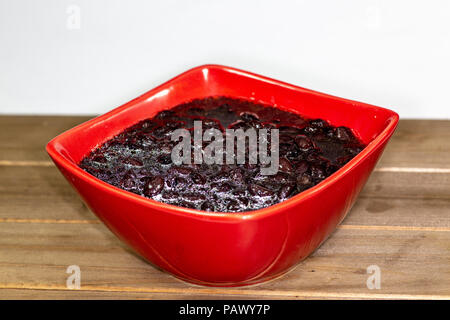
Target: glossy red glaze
(226, 249)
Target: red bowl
(226, 249)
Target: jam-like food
(139, 159)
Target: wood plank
(24, 137)
(400, 222)
(418, 212)
(412, 263)
(419, 143)
(406, 185)
(52, 293)
(39, 193)
(388, 199)
(60, 294)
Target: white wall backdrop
(393, 53)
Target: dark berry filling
(139, 159)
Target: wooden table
(401, 223)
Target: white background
(394, 54)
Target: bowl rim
(74, 169)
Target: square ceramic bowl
(226, 249)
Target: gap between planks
(230, 292)
(344, 226)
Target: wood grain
(401, 222)
(419, 144)
(412, 263)
(51, 293)
(23, 138)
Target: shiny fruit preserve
(139, 159)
